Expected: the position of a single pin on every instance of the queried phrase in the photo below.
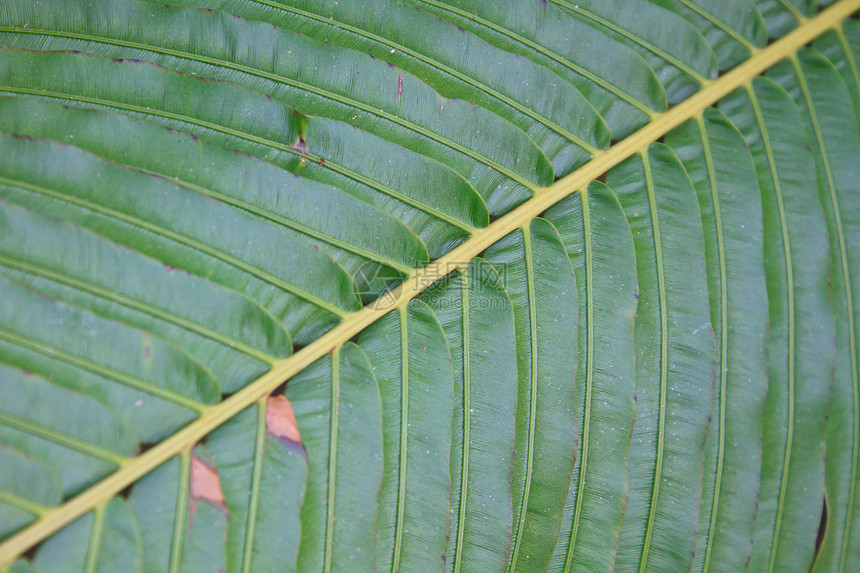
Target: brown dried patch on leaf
(281, 421)
(206, 484)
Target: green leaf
(338, 411)
(536, 272)
(475, 313)
(815, 84)
(624, 91)
(716, 159)
(674, 49)
(598, 241)
(675, 362)
(432, 285)
(413, 366)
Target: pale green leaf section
(64, 182)
(317, 148)
(673, 47)
(412, 363)
(339, 414)
(719, 164)
(598, 241)
(675, 362)
(624, 90)
(102, 541)
(539, 279)
(455, 63)
(70, 264)
(475, 313)
(312, 77)
(309, 209)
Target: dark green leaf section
(70, 264)
(673, 47)
(320, 149)
(817, 87)
(598, 241)
(624, 90)
(65, 182)
(27, 487)
(675, 362)
(102, 541)
(476, 315)
(842, 47)
(783, 16)
(339, 414)
(456, 64)
(733, 28)
(411, 361)
(310, 76)
(153, 386)
(539, 279)
(719, 164)
(797, 267)
(306, 208)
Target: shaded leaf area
(659, 373)
(231, 503)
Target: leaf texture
(429, 286)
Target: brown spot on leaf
(301, 146)
(205, 483)
(280, 419)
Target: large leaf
(606, 252)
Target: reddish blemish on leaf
(280, 419)
(301, 146)
(399, 86)
(205, 484)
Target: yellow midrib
(137, 467)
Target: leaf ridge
(178, 238)
(548, 53)
(181, 511)
(656, 50)
(404, 425)
(256, 480)
(332, 458)
(664, 358)
(533, 394)
(589, 375)
(467, 418)
(215, 62)
(724, 335)
(356, 321)
(304, 155)
(849, 303)
(96, 532)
